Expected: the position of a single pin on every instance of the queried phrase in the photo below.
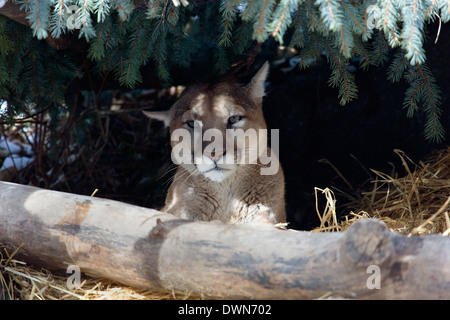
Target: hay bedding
(18, 281)
(415, 204)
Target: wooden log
(150, 249)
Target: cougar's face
(216, 128)
(220, 128)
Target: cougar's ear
(256, 85)
(163, 116)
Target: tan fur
(237, 193)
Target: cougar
(216, 179)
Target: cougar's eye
(190, 123)
(234, 119)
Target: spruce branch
(331, 13)
(161, 61)
(229, 13)
(369, 26)
(310, 51)
(101, 7)
(124, 35)
(412, 32)
(432, 10)
(423, 91)
(154, 9)
(251, 10)
(362, 49)
(136, 45)
(173, 15)
(282, 18)
(340, 76)
(98, 43)
(84, 19)
(313, 14)
(182, 58)
(184, 46)
(222, 63)
(39, 12)
(131, 73)
(345, 40)
(298, 33)
(397, 67)
(261, 24)
(380, 49)
(58, 19)
(242, 37)
(444, 10)
(125, 8)
(390, 15)
(355, 15)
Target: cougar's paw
(264, 217)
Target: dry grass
(22, 282)
(415, 204)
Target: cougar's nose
(215, 155)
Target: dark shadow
(147, 251)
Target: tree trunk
(145, 248)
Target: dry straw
(18, 281)
(415, 204)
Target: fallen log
(146, 248)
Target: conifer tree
(125, 35)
